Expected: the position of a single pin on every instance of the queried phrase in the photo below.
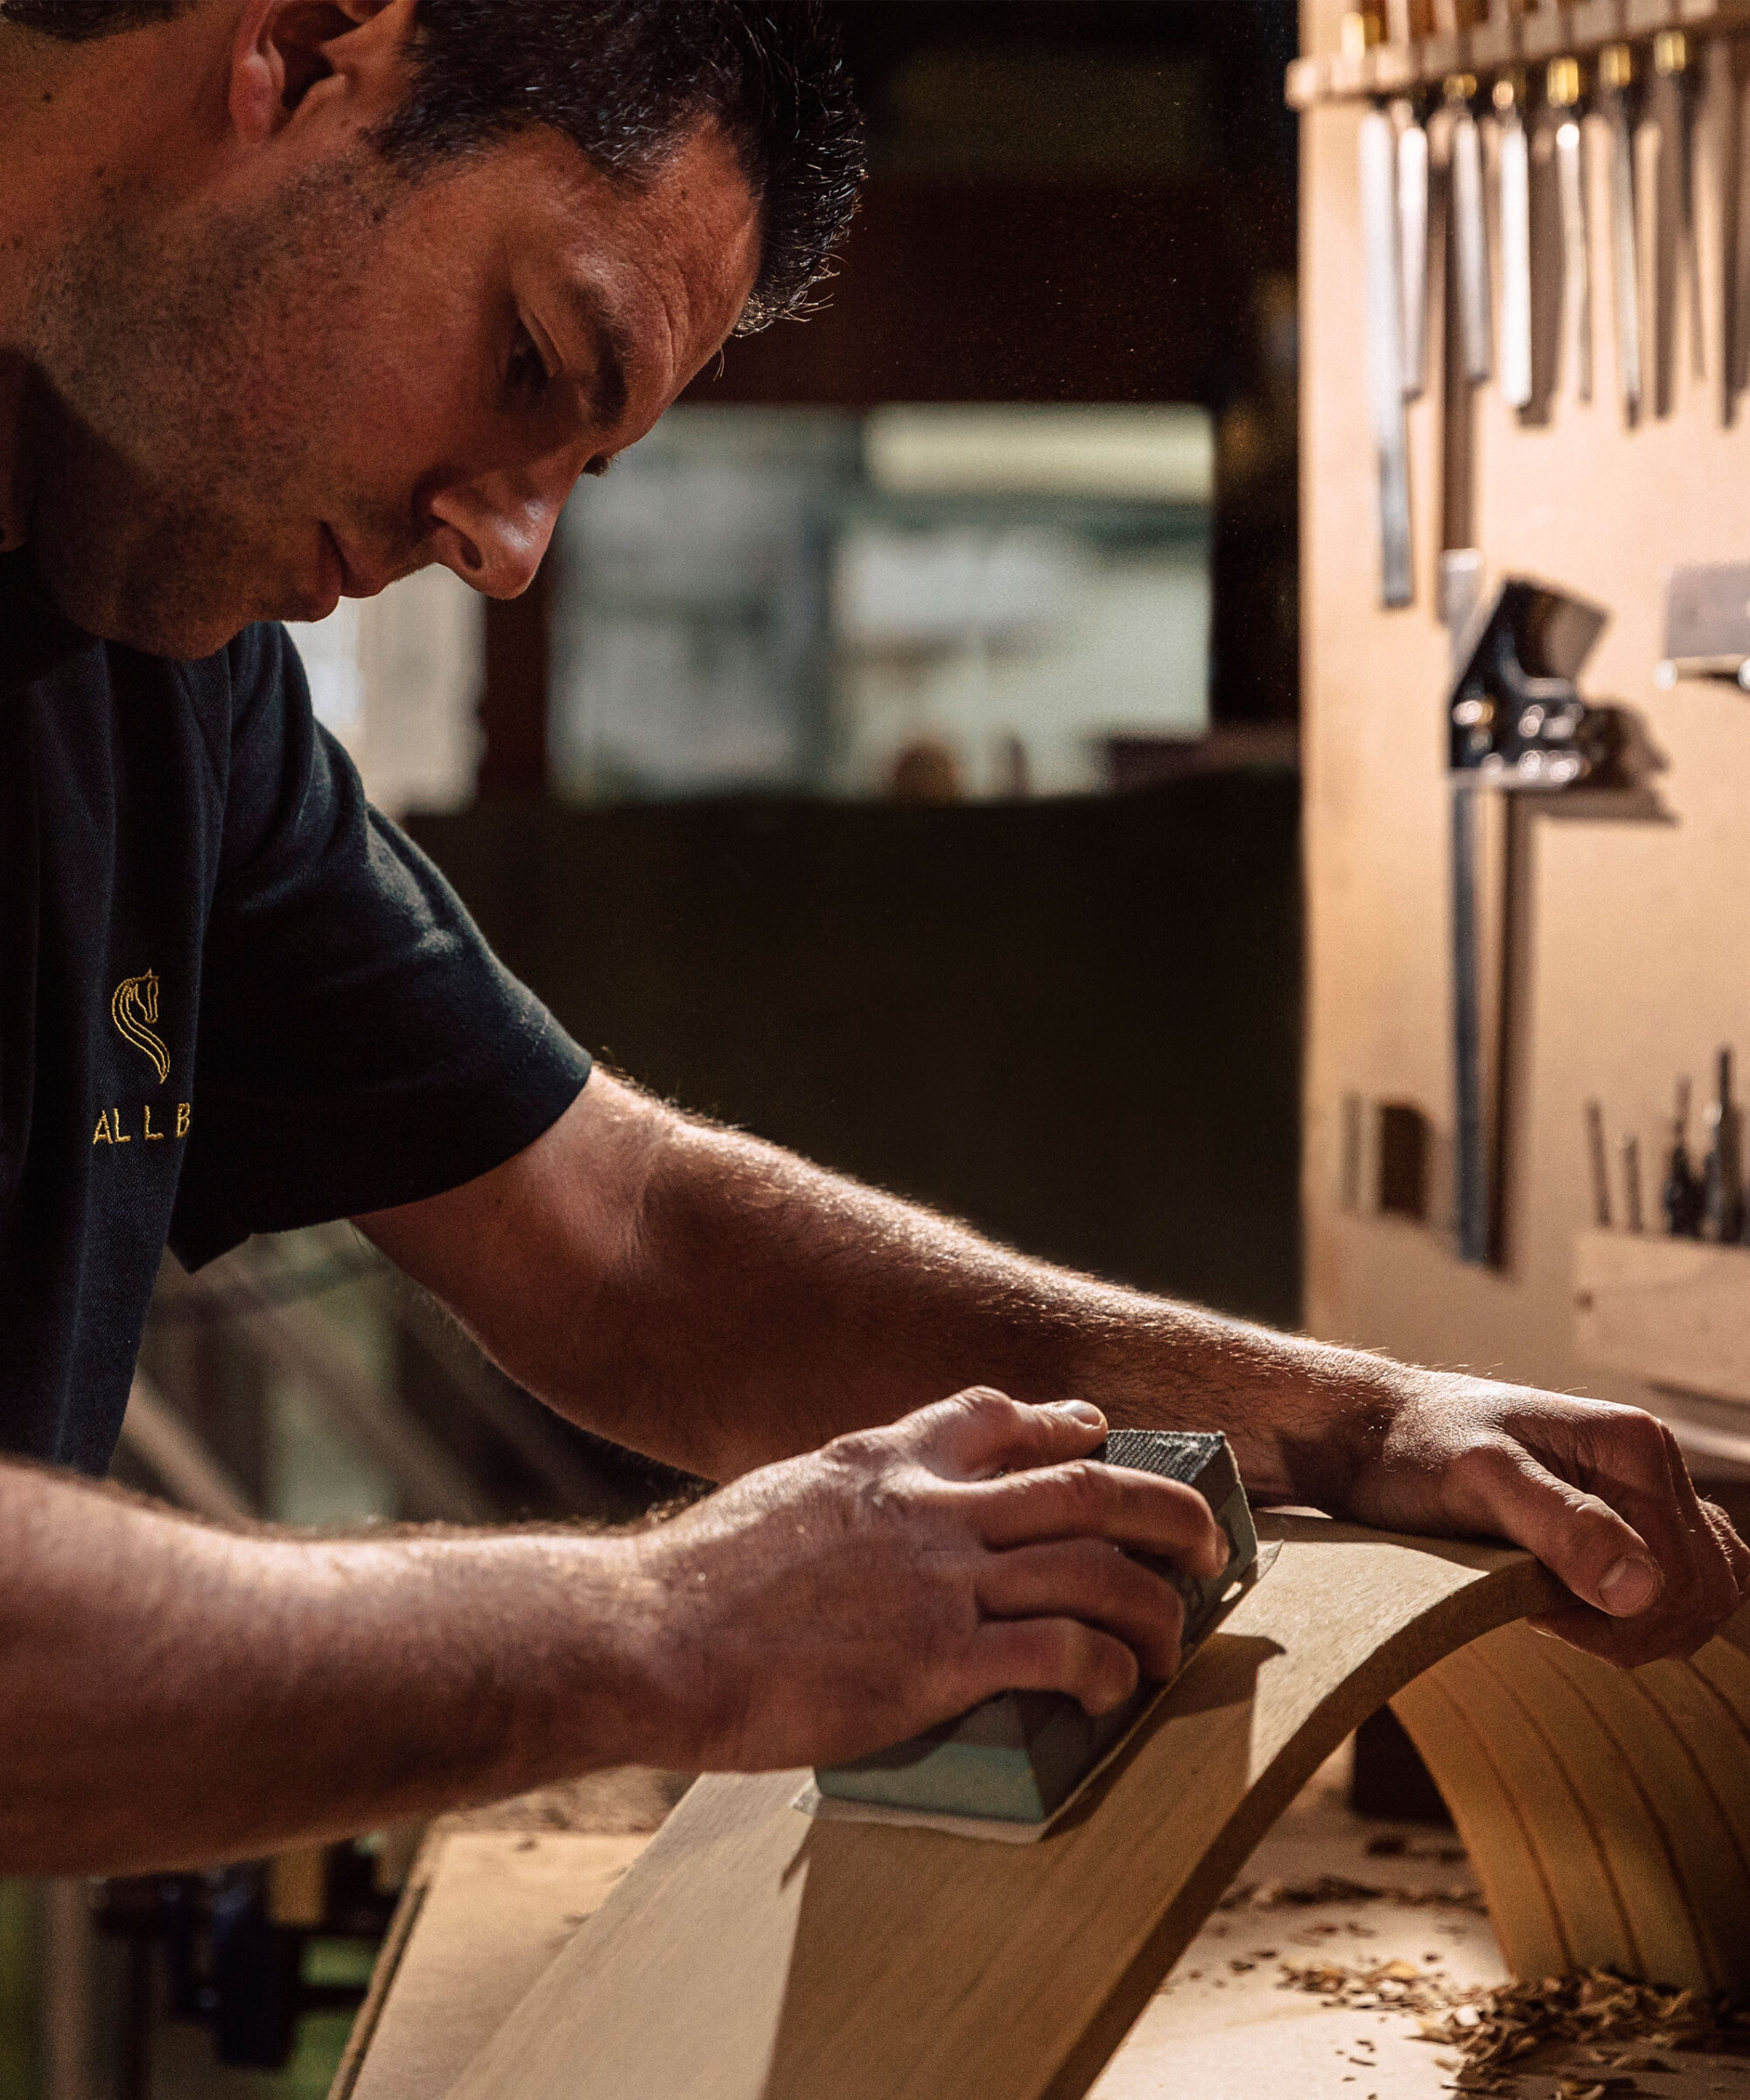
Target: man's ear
(284, 47)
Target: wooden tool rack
(1628, 945)
(1500, 43)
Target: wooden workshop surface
(751, 1952)
(492, 1911)
(1640, 934)
(488, 1902)
(1325, 1886)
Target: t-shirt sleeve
(359, 1046)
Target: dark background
(1076, 1024)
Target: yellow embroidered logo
(135, 1011)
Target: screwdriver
(1681, 1197)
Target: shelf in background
(1672, 1313)
(1496, 46)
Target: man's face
(325, 377)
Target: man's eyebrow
(610, 343)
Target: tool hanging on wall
(1408, 121)
(1616, 106)
(1562, 88)
(1378, 156)
(1731, 149)
(1681, 1197)
(1631, 1183)
(1599, 1160)
(1707, 624)
(1514, 151)
(1516, 721)
(1672, 287)
(1469, 230)
(1722, 1211)
(1672, 104)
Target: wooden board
(1607, 1813)
(754, 1955)
(1223, 2027)
(485, 1913)
(1672, 1312)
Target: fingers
(981, 1432)
(1600, 1555)
(1086, 1500)
(1602, 1496)
(1095, 1584)
(1055, 1654)
(1633, 1461)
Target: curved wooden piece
(753, 1954)
(1608, 1814)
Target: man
(295, 296)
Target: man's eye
(527, 371)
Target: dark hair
(624, 79)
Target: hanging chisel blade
(1616, 74)
(1516, 247)
(1563, 89)
(1470, 233)
(1671, 61)
(1385, 352)
(1413, 243)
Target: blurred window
(933, 602)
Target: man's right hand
(833, 1604)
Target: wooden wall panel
(1639, 962)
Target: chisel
(1561, 84)
(1722, 1217)
(1736, 182)
(1631, 1182)
(1615, 87)
(1412, 241)
(1601, 1169)
(1470, 235)
(1679, 275)
(1718, 165)
(1378, 154)
(1682, 1197)
(1516, 243)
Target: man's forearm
(720, 1303)
(833, 1307)
(177, 1694)
(756, 1306)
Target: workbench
(752, 1955)
(493, 1897)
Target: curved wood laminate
(1608, 1814)
(753, 1954)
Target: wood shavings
(1621, 2026)
(1396, 1987)
(1338, 1888)
(1605, 2014)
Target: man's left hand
(1599, 1494)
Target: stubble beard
(188, 419)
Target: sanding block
(1018, 1759)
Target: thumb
(1594, 1548)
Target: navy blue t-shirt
(233, 998)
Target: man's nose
(493, 530)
